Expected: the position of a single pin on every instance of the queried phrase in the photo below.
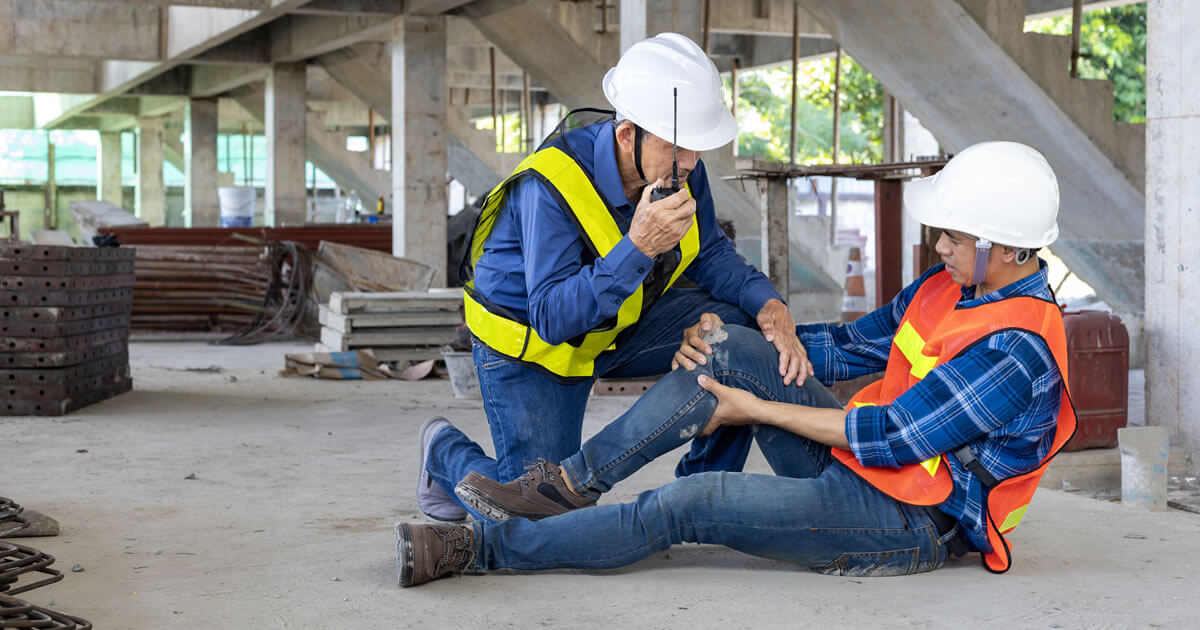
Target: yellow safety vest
(580, 198)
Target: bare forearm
(827, 426)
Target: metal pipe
(495, 123)
(527, 114)
(1076, 18)
(707, 23)
(733, 80)
(837, 104)
(795, 70)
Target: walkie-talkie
(659, 192)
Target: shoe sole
(421, 458)
(484, 504)
(404, 554)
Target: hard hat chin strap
(638, 132)
(983, 247)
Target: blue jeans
(814, 511)
(533, 416)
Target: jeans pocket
(874, 563)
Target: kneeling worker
(939, 458)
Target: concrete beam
(58, 28)
(249, 5)
(1051, 8)
(759, 17)
(55, 75)
(216, 80)
(299, 37)
(352, 7)
(434, 7)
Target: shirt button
(641, 270)
(616, 300)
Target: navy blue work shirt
(533, 262)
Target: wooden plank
(355, 321)
(439, 300)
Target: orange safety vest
(931, 333)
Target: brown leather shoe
(539, 493)
(427, 552)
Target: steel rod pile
(64, 327)
(404, 326)
(23, 569)
(199, 287)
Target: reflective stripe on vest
(931, 333)
(516, 340)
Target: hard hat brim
(920, 199)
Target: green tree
(764, 109)
(1113, 42)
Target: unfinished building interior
(268, 164)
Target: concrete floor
(288, 524)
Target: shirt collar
(607, 174)
(1034, 285)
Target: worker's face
(657, 158)
(958, 252)
(656, 155)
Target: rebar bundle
(23, 569)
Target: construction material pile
(397, 326)
(198, 287)
(23, 569)
(64, 327)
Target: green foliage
(1114, 44)
(764, 107)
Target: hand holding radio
(658, 226)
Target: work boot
(428, 552)
(434, 502)
(539, 493)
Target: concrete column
(1172, 220)
(150, 197)
(200, 207)
(418, 46)
(108, 182)
(285, 108)
(633, 23)
(685, 17)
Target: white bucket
(463, 381)
(237, 206)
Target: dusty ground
(288, 524)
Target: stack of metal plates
(64, 327)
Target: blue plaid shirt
(1000, 396)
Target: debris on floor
(351, 365)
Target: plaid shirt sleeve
(977, 393)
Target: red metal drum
(1098, 367)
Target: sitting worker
(572, 260)
(939, 458)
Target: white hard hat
(640, 89)
(1004, 192)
